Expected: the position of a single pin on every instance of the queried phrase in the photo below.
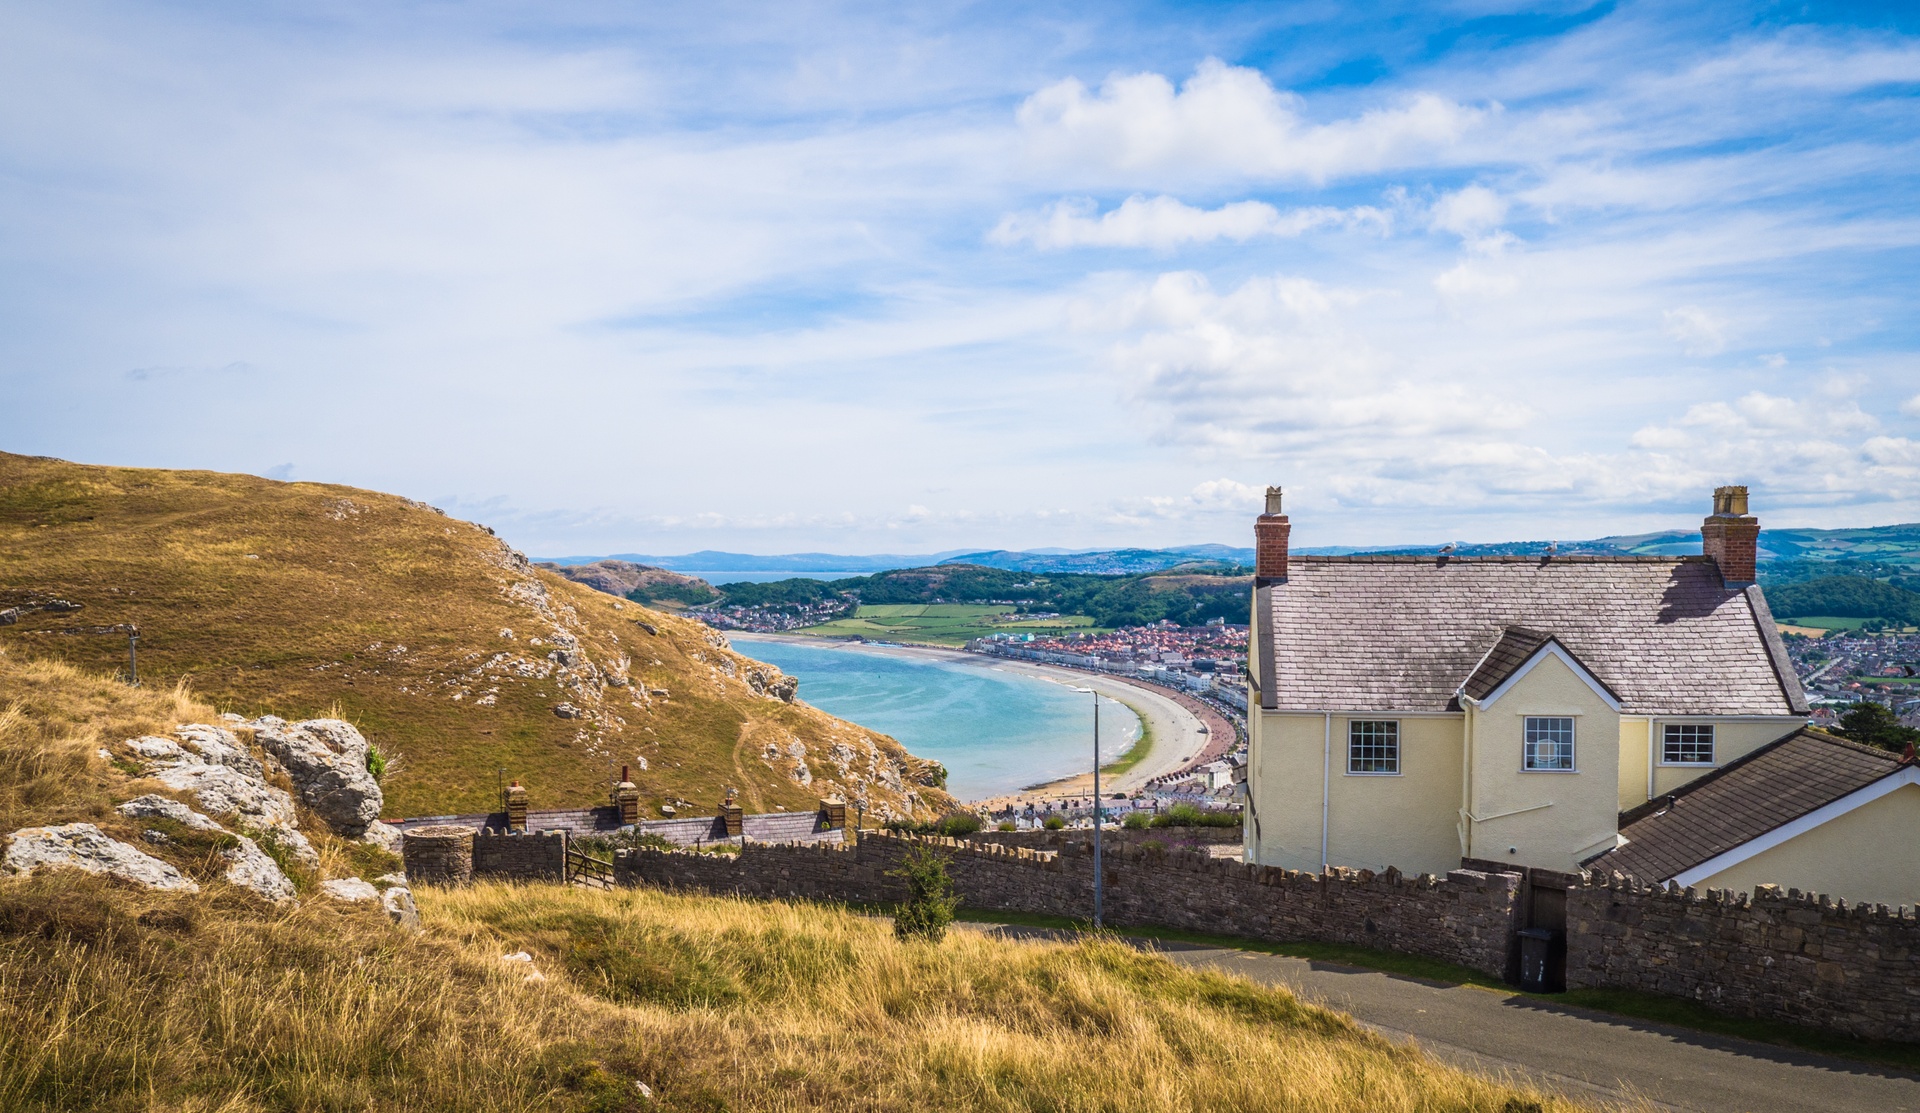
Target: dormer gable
(1517, 651)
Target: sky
(909, 277)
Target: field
(948, 624)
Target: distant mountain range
(1896, 545)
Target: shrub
(1007, 825)
(1189, 815)
(930, 901)
(376, 763)
(1054, 823)
(959, 825)
(1874, 725)
(1136, 821)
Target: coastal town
(1844, 668)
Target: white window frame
(1573, 747)
(1713, 745)
(1395, 771)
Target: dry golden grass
(54, 719)
(114, 1000)
(299, 598)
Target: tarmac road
(1581, 1053)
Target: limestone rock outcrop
(383, 835)
(327, 759)
(83, 846)
(350, 889)
(220, 775)
(773, 683)
(250, 868)
(154, 806)
(398, 901)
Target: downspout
(1469, 705)
(1326, 788)
(1650, 734)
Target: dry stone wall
(538, 856)
(1464, 918)
(1785, 956)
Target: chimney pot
(1270, 534)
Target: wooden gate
(585, 869)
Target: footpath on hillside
(1584, 1054)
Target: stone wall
(1166, 837)
(1465, 918)
(533, 856)
(1795, 957)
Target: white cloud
(1469, 212)
(1278, 361)
(1227, 120)
(1165, 223)
(1699, 332)
(1911, 407)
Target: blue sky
(910, 277)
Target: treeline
(1845, 597)
(1109, 600)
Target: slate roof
(1739, 802)
(1405, 633)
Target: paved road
(1583, 1054)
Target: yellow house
(1415, 711)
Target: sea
(995, 730)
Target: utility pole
(1099, 878)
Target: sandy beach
(1178, 734)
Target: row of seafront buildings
(1623, 714)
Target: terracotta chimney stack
(1270, 532)
(1732, 538)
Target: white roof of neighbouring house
(1663, 634)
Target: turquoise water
(995, 731)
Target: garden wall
(1465, 918)
(1793, 956)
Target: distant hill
(709, 560)
(648, 586)
(449, 650)
(1897, 545)
(1112, 562)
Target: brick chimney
(1270, 532)
(1730, 537)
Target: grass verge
(1142, 746)
(115, 999)
(1674, 1011)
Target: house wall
(1864, 856)
(1732, 739)
(1581, 809)
(1408, 820)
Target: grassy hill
(440, 642)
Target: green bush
(376, 762)
(1189, 815)
(1008, 825)
(959, 825)
(1054, 823)
(930, 901)
(1874, 725)
(1137, 821)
